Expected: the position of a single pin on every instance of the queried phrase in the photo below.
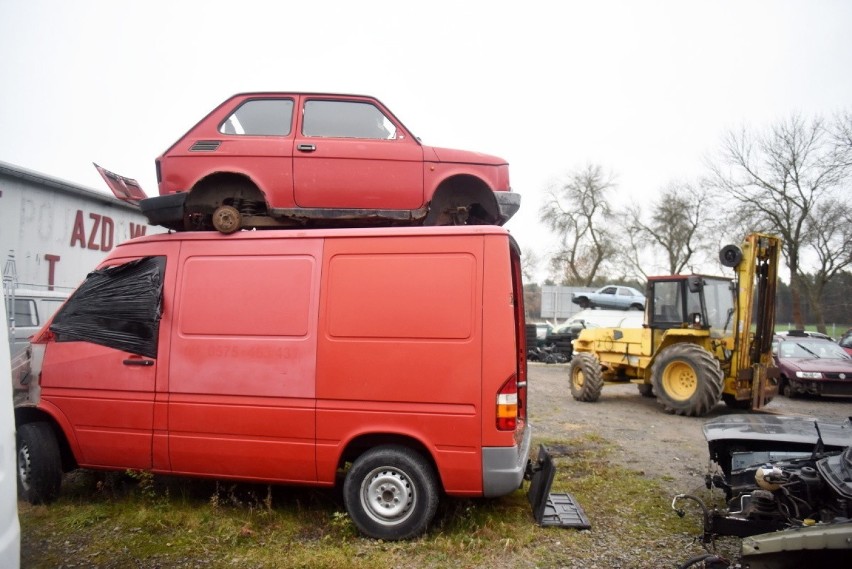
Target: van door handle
(138, 362)
(306, 147)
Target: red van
(393, 354)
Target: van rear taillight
(507, 405)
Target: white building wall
(58, 231)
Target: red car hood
(462, 156)
(819, 364)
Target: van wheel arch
(25, 415)
(363, 443)
(463, 200)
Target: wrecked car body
(788, 487)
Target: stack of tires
(532, 336)
(562, 343)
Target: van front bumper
(503, 468)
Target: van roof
(322, 233)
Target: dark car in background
(812, 365)
(846, 342)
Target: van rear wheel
(39, 463)
(391, 493)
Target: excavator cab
(691, 301)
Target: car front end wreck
(813, 366)
(788, 488)
(834, 377)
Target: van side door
(243, 357)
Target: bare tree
(529, 265)
(578, 211)
(632, 254)
(776, 180)
(830, 232)
(676, 227)
(842, 135)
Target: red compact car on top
(299, 159)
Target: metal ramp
(560, 510)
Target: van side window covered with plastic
(117, 307)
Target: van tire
(39, 463)
(391, 493)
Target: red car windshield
(812, 349)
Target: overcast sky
(645, 89)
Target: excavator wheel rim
(578, 379)
(680, 380)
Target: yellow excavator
(705, 338)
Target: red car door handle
(306, 147)
(138, 362)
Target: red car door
(350, 154)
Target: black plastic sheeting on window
(117, 307)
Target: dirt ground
(649, 440)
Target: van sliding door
(242, 365)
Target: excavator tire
(687, 380)
(585, 377)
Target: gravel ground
(649, 440)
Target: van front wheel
(391, 493)
(39, 464)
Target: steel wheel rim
(680, 381)
(24, 467)
(388, 496)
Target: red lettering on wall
(51, 269)
(137, 230)
(97, 220)
(79, 231)
(107, 230)
(102, 224)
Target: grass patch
(122, 520)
